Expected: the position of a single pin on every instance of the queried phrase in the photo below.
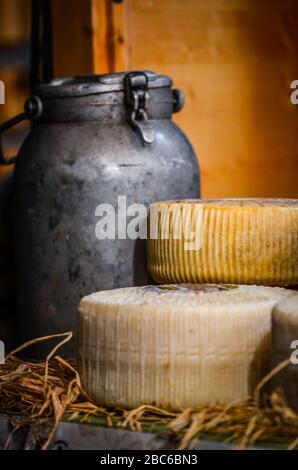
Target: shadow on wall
(8, 320)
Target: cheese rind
(285, 346)
(248, 241)
(175, 346)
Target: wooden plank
(83, 37)
(121, 14)
(14, 21)
(235, 61)
(102, 41)
(72, 37)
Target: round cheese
(285, 346)
(175, 346)
(241, 241)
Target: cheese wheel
(241, 241)
(175, 346)
(284, 346)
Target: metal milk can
(94, 141)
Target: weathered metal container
(94, 139)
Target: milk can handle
(32, 110)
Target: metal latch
(136, 98)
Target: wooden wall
(235, 60)
(14, 35)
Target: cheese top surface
(187, 295)
(234, 202)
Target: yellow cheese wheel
(241, 241)
(175, 346)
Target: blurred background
(234, 59)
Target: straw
(43, 393)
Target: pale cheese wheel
(241, 241)
(175, 346)
(285, 346)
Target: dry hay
(41, 393)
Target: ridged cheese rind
(174, 348)
(249, 241)
(284, 333)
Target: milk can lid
(94, 84)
